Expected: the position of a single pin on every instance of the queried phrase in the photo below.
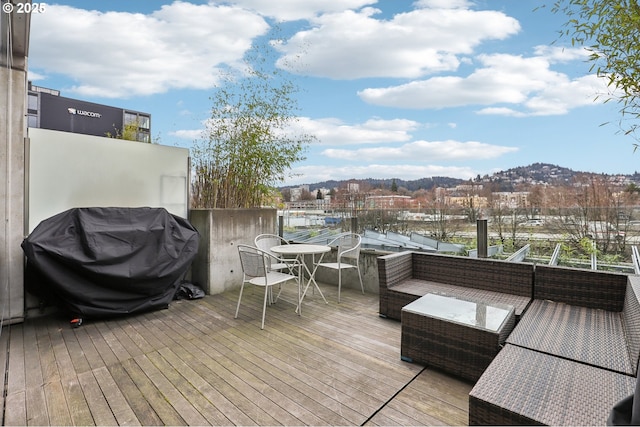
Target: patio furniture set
(543, 344)
(273, 261)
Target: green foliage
(129, 132)
(581, 249)
(247, 148)
(610, 31)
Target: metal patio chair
(256, 271)
(267, 241)
(348, 257)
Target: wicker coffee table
(460, 336)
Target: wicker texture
(462, 350)
(586, 288)
(526, 387)
(480, 273)
(594, 337)
(412, 289)
(392, 270)
(631, 320)
(406, 276)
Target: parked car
(532, 223)
(602, 230)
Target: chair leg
(264, 304)
(339, 283)
(299, 308)
(360, 277)
(239, 299)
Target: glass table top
(456, 309)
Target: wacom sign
(84, 113)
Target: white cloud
(502, 79)
(335, 132)
(33, 76)
(318, 173)
(561, 54)
(291, 10)
(443, 4)
(180, 46)
(429, 151)
(190, 135)
(354, 44)
(331, 131)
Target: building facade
(46, 109)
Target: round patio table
(300, 251)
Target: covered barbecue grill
(99, 262)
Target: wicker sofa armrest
(631, 319)
(392, 270)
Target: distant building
(511, 199)
(388, 202)
(46, 109)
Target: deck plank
(120, 408)
(171, 392)
(16, 378)
(5, 333)
(15, 413)
(93, 337)
(162, 408)
(195, 364)
(144, 413)
(35, 398)
(72, 395)
(100, 409)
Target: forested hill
(536, 173)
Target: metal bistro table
(459, 335)
(300, 251)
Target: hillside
(536, 173)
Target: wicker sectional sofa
(572, 356)
(406, 276)
(573, 353)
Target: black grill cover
(97, 262)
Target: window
(144, 122)
(143, 137)
(32, 121)
(32, 102)
(130, 118)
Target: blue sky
(390, 88)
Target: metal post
(482, 238)
(281, 225)
(354, 224)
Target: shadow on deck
(194, 364)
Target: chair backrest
(252, 261)
(348, 245)
(266, 241)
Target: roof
(14, 35)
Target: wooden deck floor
(194, 364)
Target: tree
(286, 194)
(306, 195)
(128, 132)
(394, 186)
(609, 31)
(247, 147)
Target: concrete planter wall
(217, 266)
